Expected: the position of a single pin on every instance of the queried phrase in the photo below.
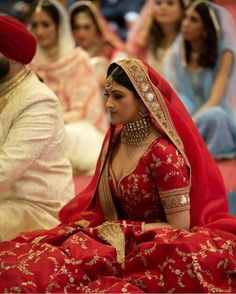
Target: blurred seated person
(116, 11)
(35, 172)
(92, 33)
(68, 72)
(156, 31)
(202, 70)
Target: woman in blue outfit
(203, 72)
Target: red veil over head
(208, 199)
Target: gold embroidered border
(113, 235)
(175, 200)
(105, 196)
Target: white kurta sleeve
(30, 133)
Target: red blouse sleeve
(171, 176)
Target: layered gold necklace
(6, 87)
(135, 132)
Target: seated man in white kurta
(35, 173)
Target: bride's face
(122, 105)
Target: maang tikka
(109, 80)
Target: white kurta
(35, 173)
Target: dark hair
(156, 34)
(51, 10)
(85, 9)
(121, 78)
(209, 53)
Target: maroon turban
(16, 42)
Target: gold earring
(143, 112)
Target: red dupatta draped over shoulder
(208, 201)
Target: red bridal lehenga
(100, 247)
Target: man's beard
(4, 67)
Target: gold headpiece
(109, 80)
(108, 83)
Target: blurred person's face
(84, 31)
(4, 67)
(167, 11)
(192, 26)
(44, 29)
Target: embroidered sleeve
(171, 175)
(176, 200)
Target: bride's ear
(143, 111)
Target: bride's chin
(113, 120)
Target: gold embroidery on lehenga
(112, 233)
(18, 289)
(194, 268)
(93, 260)
(83, 223)
(136, 282)
(38, 239)
(82, 242)
(192, 260)
(124, 289)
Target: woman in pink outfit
(68, 72)
(92, 33)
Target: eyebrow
(117, 91)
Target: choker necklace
(135, 132)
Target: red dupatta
(208, 200)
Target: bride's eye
(106, 95)
(118, 96)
